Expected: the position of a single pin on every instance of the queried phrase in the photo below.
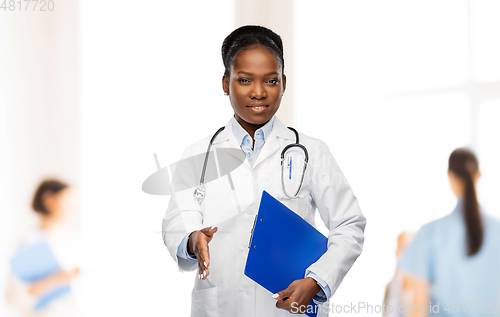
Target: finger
(200, 269)
(282, 294)
(205, 274)
(295, 308)
(205, 257)
(284, 304)
(199, 255)
(204, 253)
(206, 230)
(202, 263)
(211, 232)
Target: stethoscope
(199, 192)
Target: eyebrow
(250, 74)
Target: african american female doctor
(212, 236)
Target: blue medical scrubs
(438, 254)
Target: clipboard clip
(251, 233)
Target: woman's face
(255, 86)
(58, 204)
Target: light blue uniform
(439, 254)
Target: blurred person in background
(396, 292)
(453, 261)
(52, 203)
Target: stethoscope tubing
(200, 188)
(202, 179)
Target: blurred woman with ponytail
(452, 265)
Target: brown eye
(243, 80)
(273, 81)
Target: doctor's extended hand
(299, 294)
(198, 245)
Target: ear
(284, 82)
(225, 84)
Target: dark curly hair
(248, 35)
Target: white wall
(151, 83)
(393, 87)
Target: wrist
(189, 246)
(314, 284)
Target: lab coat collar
(270, 146)
(279, 130)
(227, 135)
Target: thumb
(283, 294)
(209, 231)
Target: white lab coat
(227, 291)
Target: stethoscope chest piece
(199, 193)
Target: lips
(257, 106)
(257, 109)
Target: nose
(258, 91)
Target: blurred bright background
(90, 90)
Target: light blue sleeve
(417, 257)
(325, 291)
(182, 251)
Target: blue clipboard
(282, 247)
(34, 262)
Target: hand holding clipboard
(279, 265)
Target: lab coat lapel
(227, 139)
(272, 143)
